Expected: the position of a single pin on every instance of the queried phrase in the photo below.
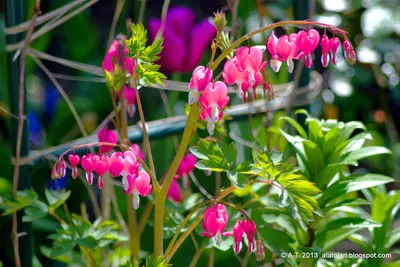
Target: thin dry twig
(163, 19)
(63, 94)
(48, 27)
(142, 8)
(21, 107)
(117, 14)
(42, 19)
(5, 111)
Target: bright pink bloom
(287, 49)
(215, 220)
(307, 41)
(249, 228)
(349, 53)
(130, 99)
(213, 99)
(185, 167)
(117, 164)
(184, 41)
(101, 165)
(201, 77)
(113, 56)
(138, 152)
(107, 136)
(272, 46)
(238, 234)
(249, 62)
(233, 75)
(131, 168)
(325, 51)
(174, 191)
(245, 69)
(333, 47)
(74, 160)
(87, 165)
(138, 185)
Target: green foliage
(83, 233)
(147, 72)
(116, 80)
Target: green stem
(159, 224)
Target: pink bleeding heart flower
(185, 167)
(249, 228)
(325, 50)
(130, 98)
(307, 42)
(333, 47)
(139, 185)
(74, 161)
(101, 165)
(174, 191)
(138, 152)
(87, 165)
(131, 168)
(272, 46)
(117, 164)
(233, 75)
(107, 136)
(249, 62)
(184, 41)
(238, 234)
(287, 50)
(116, 54)
(213, 99)
(349, 53)
(201, 77)
(214, 223)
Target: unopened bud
(219, 21)
(349, 53)
(268, 91)
(260, 253)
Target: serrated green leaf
(151, 52)
(238, 179)
(207, 164)
(56, 198)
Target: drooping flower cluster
(116, 57)
(185, 167)
(214, 224)
(303, 44)
(245, 69)
(123, 164)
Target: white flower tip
(136, 201)
(275, 65)
(210, 127)
(290, 65)
(262, 48)
(193, 96)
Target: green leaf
(303, 111)
(276, 240)
(156, 261)
(88, 242)
(137, 43)
(302, 195)
(349, 128)
(315, 159)
(36, 211)
(207, 164)
(229, 152)
(151, 52)
(353, 183)
(61, 247)
(364, 153)
(238, 179)
(392, 238)
(334, 237)
(296, 125)
(343, 223)
(56, 198)
(148, 74)
(361, 241)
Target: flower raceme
(241, 228)
(118, 164)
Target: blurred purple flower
(184, 40)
